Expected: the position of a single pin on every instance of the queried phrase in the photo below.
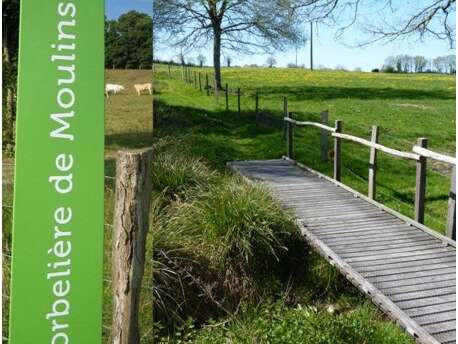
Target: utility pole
(311, 45)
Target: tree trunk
(9, 115)
(217, 55)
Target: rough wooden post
(132, 205)
(207, 85)
(338, 152)
(289, 136)
(256, 105)
(200, 82)
(451, 214)
(420, 188)
(324, 143)
(285, 114)
(227, 96)
(238, 100)
(195, 79)
(372, 187)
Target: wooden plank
(415, 295)
(398, 290)
(360, 229)
(409, 272)
(427, 302)
(332, 208)
(447, 337)
(423, 256)
(415, 282)
(358, 222)
(370, 252)
(369, 237)
(441, 327)
(403, 262)
(436, 317)
(339, 217)
(377, 246)
(432, 309)
(365, 234)
(371, 242)
(375, 257)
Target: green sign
(57, 266)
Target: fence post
(195, 79)
(285, 114)
(338, 152)
(132, 204)
(170, 73)
(324, 137)
(207, 85)
(451, 214)
(238, 100)
(227, 96)
(373, 165)
(420, 188)
(256, 105)
(200, 82)
(182, 73)
(289, 136)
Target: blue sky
(331, 52)
(114, 8)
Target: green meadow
(404, 106)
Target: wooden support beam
(373, 164)
(289, 137)
(131, 215)
(226, 93)
(451, 214)
(420, 188)
(324, 139)
(238, 100)
(338, 152)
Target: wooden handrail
(394, 152)
(433, 155)
(315, 124)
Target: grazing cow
(143, 87)
(113, 88)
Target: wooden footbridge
(405, 268)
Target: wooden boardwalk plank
(407, 269)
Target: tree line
(129, 42)
(420, 64)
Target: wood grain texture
(407, 269)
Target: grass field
(404, 106)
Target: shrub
(375, 70)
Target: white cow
(143, 87)
(113, 88)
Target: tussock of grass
(175, 171)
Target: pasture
(404, 106)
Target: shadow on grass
(327, 93)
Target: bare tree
(420, 63)
(271, 62)
(237, 25)
(201, 59)
(395, 20)
(451, 62)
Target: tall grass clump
(247, 234)
(176, 172)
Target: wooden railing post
(226, 90)
(256, 105)
(338, 152)
(200, 82)
(195, 79)
(207, 85)
(285, 114)
(131, 213)
(289, 137)
(373, 165)
(420, 188)
(451, 214)
(238, 100)
(324, 142)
